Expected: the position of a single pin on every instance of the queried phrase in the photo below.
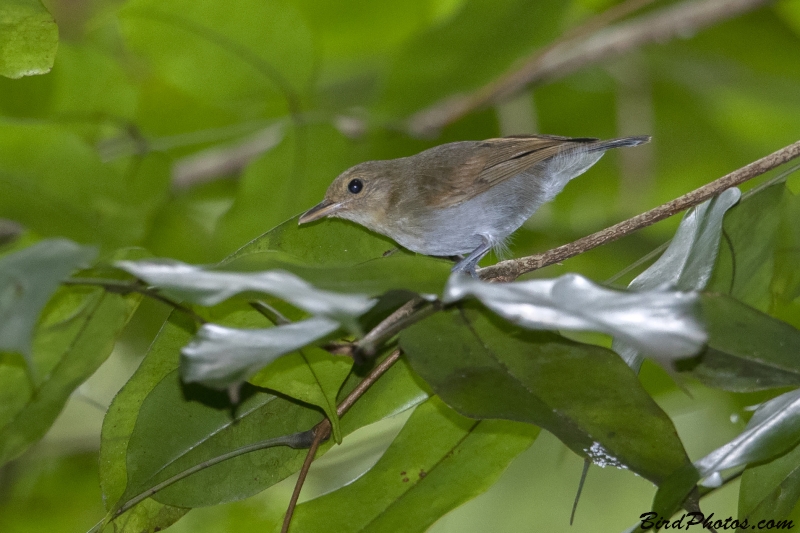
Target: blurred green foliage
(88, 152)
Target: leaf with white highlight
(774, 428)
(28, 278)
(660, 323)
(220, 357)
(688, 261)
(208, 287)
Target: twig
(217, 161)
(323, 430)
(555, 62)
(270, 313)
(127, 287)
(511, 269)
(412, 311)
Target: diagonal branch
(323, 430)
(513, 268)
(574, 53)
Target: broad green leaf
(747, 349)
(774, 428)
(439, 460)
(75, 335)
(485, 367)
(339, 255)
(222, 357)
(745, 266)
(28, 38)
(688, 261)
(659, 322)
(28, 278)
(194, 425)
(310, 375)
(119, 423)
(252, 58)
(770, 491)
(208, 288)
(673, 491)
(785, 286)
(153, 405)
(147, 517)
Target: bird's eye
(355, 186)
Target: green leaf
(770, 491)
(689, 260)
(192, 425)
(152, 405)
(202, 429)
(311, 375)
(208, 288)
(439, 460)
(147, 517)
(28, 38)
(28, 279)
(339, 255)
(585, 395)
(774, 428)
(785, 285)
(76, 334)
(659, 322)
(745, 266)
(221, 357)
(119, 423)
(747, 349)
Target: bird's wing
(491, 162)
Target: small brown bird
(463, 197)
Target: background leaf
(28, 38)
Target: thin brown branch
(301, 479)
(511, 269)
(218, 161)
(412, 311)
(569, 56)
(322, 431)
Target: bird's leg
(469, 263)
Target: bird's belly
(462, 228)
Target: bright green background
(144, 75)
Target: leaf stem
(513, 268)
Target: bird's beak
(322, 209)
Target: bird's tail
(618, 143)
